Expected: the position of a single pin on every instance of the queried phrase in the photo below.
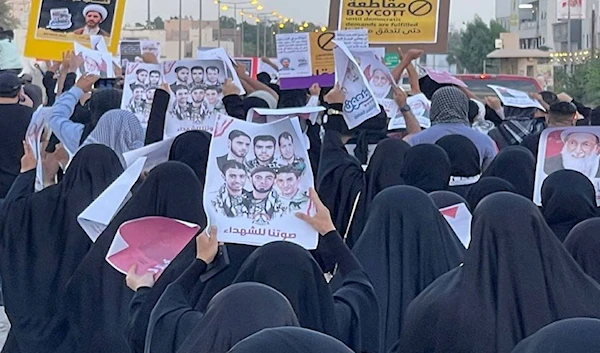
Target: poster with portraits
(94, 62)
(140, 83)
(131, 51)
(513, 98)
(196, 95)
(360, 104)
(420, 107)
(258, 177)
(221, 54)
(573, 148)
(379, 77)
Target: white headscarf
(118, 129)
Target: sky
(304, 10)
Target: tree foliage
(583, 84)
(7, 21)
(469, 47)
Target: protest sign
(151, 243)
(459, 218)
(444, 78)
(251, 65)
(196, 95)
(96, 217)
(94, 62)
(220, 54)
(33, 137)
(140, 84)
(307, 58)
(98, 43)
(54, 25)
(265, 115)
(513, 98)
(420, 107)
(379, 77)
(258, 177)
(360, 104)
(155, 154)
(131, 51)
(411, 24)
(573, 148)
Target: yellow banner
(393, 21)
(55, 24)
(321, 51)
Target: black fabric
(516, 278)
(532, 143)
(49, 83)
(351, 314)
(42, 244)
(156, 120)
(405, 246)
(578, 335)
(443, 199)
(583, 243)
(340, 179)
(234, 106)
(14, 120)
(191, 148)
(568, 197)
(97, 295)
(426, 167)
(516, 165)
(463, 154)
(383, 171)
(290, 340)
(235, 313)
(485, 187)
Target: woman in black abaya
(485, 187)
(191, 148)
(97, 295)
(516, 165)
(465, 162)
(516, 278)
(568, 198)
(289, 340)
(577, 335)
(42, 244)
(583, 243)
(443, 199)
(405, 246)
(426, 167)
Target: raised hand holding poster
(258, 177)
(141, 82)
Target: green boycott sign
(391, 60)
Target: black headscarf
(191, 148)
(485, 187)
(97, 295)
(516, 278)
(383, 171)
(426, 167)
(42, 244)
(290, 340)
(568, 197)
(516, 165)
(443, 199)
(235, 313)
(405, 246)
(583, 243)
(464, 160)
(578, 335)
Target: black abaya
(191, 148)
(577, 335)
(516, 278)
(405, 246)
(290, 340)
(97, 295)
(516, 165)
(426, 167)
(235, 313)
(464, 160)
(351, 314)
(568, 197)
(383, 171)
(443, 199)
(42, 244)
(583, 243)
(485, 187)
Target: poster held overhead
(140, 84)
(94, 62)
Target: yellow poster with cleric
(54, 25)
(393, 21)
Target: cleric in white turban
(94, 15)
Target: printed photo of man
(181, 108)
(231, 199)
(381, 84)
(155, 78)
(288, 182)
(198, 107)
(287, 151)
(183, 75)
(264, 151)
(197, 76)
(213, 101)
(238, 146)
(138, 103)
(94, 15)
(264, 202)
(150, 91)
(285, 64)
(581, 152)
(212, 76)
(141, 78)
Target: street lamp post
(180, 30)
